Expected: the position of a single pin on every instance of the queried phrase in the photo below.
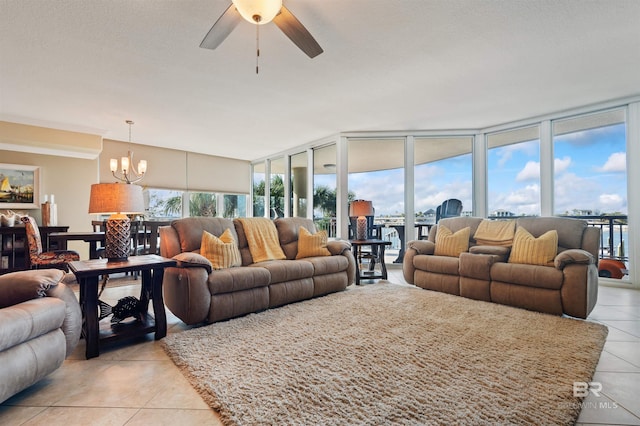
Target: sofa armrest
(186, 293)
(422, 246)
(72, 324)
(414, 248)
(573, 256)
(336, 247)
(342, 247)
(501, 253)
(193, 260)
(18, 287)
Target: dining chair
(37, 258)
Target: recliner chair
(40, 325)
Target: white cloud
(524, 200)
(561, 164)
(506, 152)
(611, 202)
(531, 171)
(617, 162)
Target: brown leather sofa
(569, 286)
(40, 325)
(195, 293)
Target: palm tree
(200, 204)
(173, 206)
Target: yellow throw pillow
(310, 245)
(222, 252)
(534, 251)
(450, 244)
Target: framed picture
(19, 186)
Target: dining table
(93, 238)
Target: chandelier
(127, 173)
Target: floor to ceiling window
(443, 170)
(277, 192)
(590, 164)
(259, 176)
(324, 188)
(298, 190)
(590, 179)
(513, 172)
(568, 165)
(376, 174)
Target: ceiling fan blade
(222, 28)
(298, 34)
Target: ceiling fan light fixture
(258, 11)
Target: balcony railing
(613, 235)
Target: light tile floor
(135, 383)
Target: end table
(151, 268)
(376, 255)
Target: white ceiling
(89, 65)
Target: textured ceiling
(88, 65)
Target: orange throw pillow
(534, 251)
(222, 252)
(310, 245)
(451, 244)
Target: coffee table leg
(158, 303)
(90, 311)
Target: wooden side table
(152, 269)
(376, 255)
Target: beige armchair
(40, 325)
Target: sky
(589, 169)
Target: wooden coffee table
(87, 273)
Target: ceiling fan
(261, 12)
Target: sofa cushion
(437, 264)
(570, 231)
(324, 265)
(189, 230)
(534, 251)
(221, 252)
(287, 270)
(237, 279)
(30, 319)
(311, 245)
(527, 275)
(21, 286)
(289, 233)
(452, 244)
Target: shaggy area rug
(388, 354)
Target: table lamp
(361, 209)
(117, 199)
